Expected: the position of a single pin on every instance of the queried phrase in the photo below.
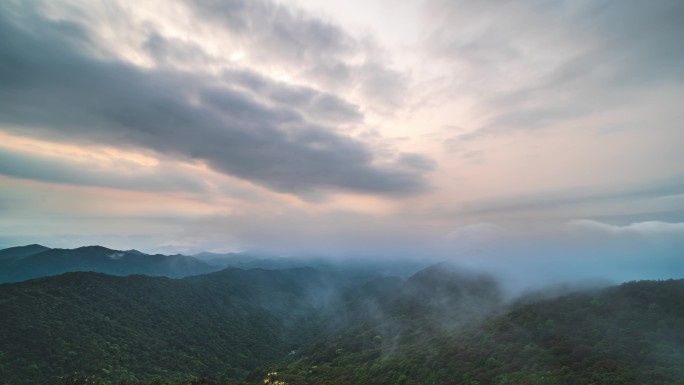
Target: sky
(531, 134)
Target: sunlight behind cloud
(106, 156)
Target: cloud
(525, 256)
(382, 86)
(166, 176)
(655, 199)
(297, 231)
(575, 250)
(176, 52)
(277, 31)
(477, 233)
(649, 228)
(316, 104)
(532, 65)
(56, 170)
(309, 48)
(52, 88)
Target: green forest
(442, 325)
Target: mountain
(19, 252)
(225, 260)
(263, 260)
(378, 317)
(627, 334)
(442, 325)
(450, 293)
(137, 327)
(21, 263)
(222, 324)
(127, 327)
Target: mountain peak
(94, 248)
(134, 251)
(19, 252)
(447, 273)
(456, 292)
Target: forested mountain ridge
(441, 326)
(627, 334)
(220, 325)
(33, 261)
(19, 252)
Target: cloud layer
(239, 123)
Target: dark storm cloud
(50, 87)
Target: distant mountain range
(263, 260)
(33, 261)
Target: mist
(523, 255)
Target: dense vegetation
(303, 326)
(632, 334)
(218, 325)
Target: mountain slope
(223, 324)
(19, 252)
(131, 327)
(381, 316)
(630, 334)
(441, 326)
(97, 259)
